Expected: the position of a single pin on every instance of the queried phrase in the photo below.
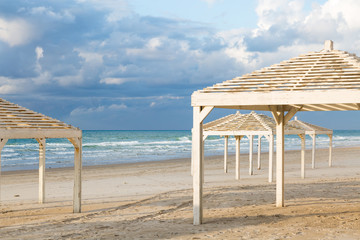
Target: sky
(133, 64)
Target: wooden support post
(226, 143)
(199, 114)
(259, 152)
(2, 144)
(237, 157)
(42, 150)
(330, 149)
(251, 150)
(302, 137)
(279, 118)
(77, 142)
(313, 150)
(271, 154)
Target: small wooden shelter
(314, 130)
(250, 125)
(327, 80)
(17, 122)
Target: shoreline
(231, 155)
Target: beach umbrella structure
(250, 125)
(17, 122)
(254, 124)
(314, 130)
(326, 80)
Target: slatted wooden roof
(247, 124)
(309, 128)
(327, 80)
(20, 122)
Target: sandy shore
(154, 201)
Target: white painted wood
(251, 150)
(271, 155)
(302, 137)
(329, 45)
(259, 153)
(42, 151)
(226, 143)
(291, 113)
(2, 144)
(247, 100)
(237, 157)
(330, 149)
(280, 160)
(77, 142)
(198, 161)
(313, 136)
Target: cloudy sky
(133, 64)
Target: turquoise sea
(113, 147)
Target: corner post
(280, 156)
(237, 157)
(77, 142)
(330, 149)
(271, 155)
(251, 149)
(226, 143)
(199, 114)
(259, 152)
(2, 144)
(42, 150)
(302, 137)
(313, 136)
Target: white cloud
(118, 9)
(82, 110)
(16, 32)
(114, 81)
(39, 52)
(117, 106)
(63, 15)
(152, 104)
(94, 110)
(13, 85)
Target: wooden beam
(302, 137)
(330, 149)
(226, 146)
(2, 144)
(290, 114)
(313, 136)
(259, 152)
(42, 150)
(280, 159)
(237, 157)
(77, 142)
(251, 150)
(197, 148)
(271, 154)
(204, 112)
(275, 114)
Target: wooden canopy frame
(250, 125)
(20, 123)
(328, 80)
(314, 130)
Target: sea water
(114, 147)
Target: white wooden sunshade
(17, 122)
(308, 127)
(247, 124)
(328, 80)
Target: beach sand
(154, 201)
